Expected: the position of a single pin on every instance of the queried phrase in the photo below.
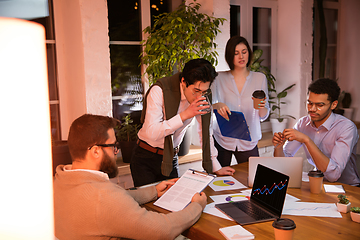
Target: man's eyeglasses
(318, 106)
(197, 92)
(116, 146)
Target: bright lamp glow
(26, 200)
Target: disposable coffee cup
(258, 96)
(316, 181)
(284, 229)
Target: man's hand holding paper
(163, 186)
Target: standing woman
(232, 91)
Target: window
(256, 21)
(126, 21)
(48, 23)
(327, 67)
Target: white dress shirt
(156, 127)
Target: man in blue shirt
(329, 139)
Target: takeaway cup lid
(260, 94)
(284, 224)
(316, 173)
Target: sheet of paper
(242, 196)
(226, 183)
(181, 193)
(211, 209)
(236, 232)
(291, 198)
(311, 209)
(230, 197)
(334, 188)
(246, 191)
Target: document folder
(236, 127)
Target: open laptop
(266, 200)
(291, 166)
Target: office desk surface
(306, 227)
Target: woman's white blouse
(224, 90)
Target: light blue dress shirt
(337, 139)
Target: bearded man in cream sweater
(89, 206)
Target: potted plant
(127, 136)
(355, 214)
(343, 205)
(256, 66)
(178, 37)
(279, 122)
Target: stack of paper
(236, 232)
(334, 188)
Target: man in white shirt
(169, 107)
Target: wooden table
(306, 227)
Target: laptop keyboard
(252, 210)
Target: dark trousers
(146, 167)
(224, 156)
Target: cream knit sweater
(88, 206)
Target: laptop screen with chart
(267, 198)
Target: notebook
(266, 200)
(291, 166)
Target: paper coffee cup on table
(316, 181)
(284, 228)
(258, 96)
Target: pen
(280, 143)
(282, 136)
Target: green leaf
(282, 95)
(257, 54)
(275, 107)
(289, 116)
(288, 87)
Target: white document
(181, 193)
(236, 232)
(311, 209)
(233, 197)
(226, 183)
(334, 188)
(242, 196)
